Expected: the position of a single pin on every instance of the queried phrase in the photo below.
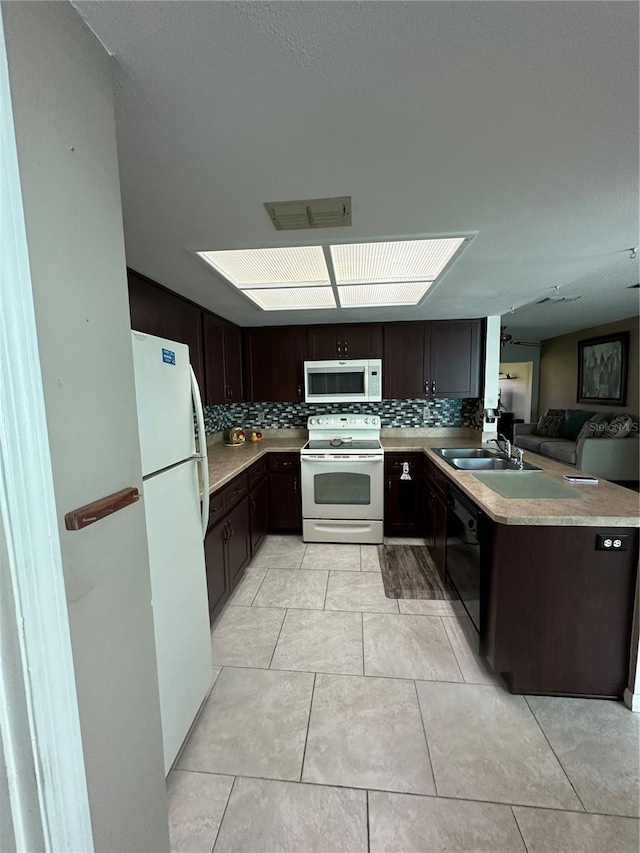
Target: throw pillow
(550, 423)
(595, 427)
(620, 426)
(574, 420)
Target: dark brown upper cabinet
(157, 311)
(432, 359)
(223, 361)
(403, 363)
(454, 358)
(356, 340)
(274, 363)
(215, 383)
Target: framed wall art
(603, 365)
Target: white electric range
(342, 479)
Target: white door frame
(39, 720)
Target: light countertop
(603, 504)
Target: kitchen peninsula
(556, 613)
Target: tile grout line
(259, 588)
(277, 640)
(306, 738)
(352, 787)
(347, 674)
(426, 739)
(519, 830)
(562, 767)
(455, 656)
(226, 805)
(326, 590)
(368, 828)
(362, 628)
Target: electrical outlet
(426, 414)
(260, 417)
(611, 541)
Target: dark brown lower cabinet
(215, 544)
(238, 541)
(434, 515)
(227, 545)
(403, 498)
(559, 612)
(258, 513)
(285, 499)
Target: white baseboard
(632, 701)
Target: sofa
(604, 444)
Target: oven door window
(342, 488)
(349, 382)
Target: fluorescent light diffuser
(298, 265)
(397, 261)
(394, 293)
(288, 278)
(290, 298)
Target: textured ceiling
(517, 122)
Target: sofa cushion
(561, 449)
(550, 423)
(574, 420)
(530, 442)
(620, 426)
(595, 427)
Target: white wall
(62, 100)
(491, 370)
(7, 840)
(515, 393)
(514, 354)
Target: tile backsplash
(393, 413)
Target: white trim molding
(39, 721)
(632, 693)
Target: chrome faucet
(507, 444)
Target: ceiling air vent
(310, 213)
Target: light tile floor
(344, 721)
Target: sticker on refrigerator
(168, 356)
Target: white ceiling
(513, 121)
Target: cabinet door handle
(426, 388)
(231, 529)
(253, 504)
(299, 390)
(339, 347)
(295, 486)
(433, 387)
(346, 348)
(226, 532)
(389, 484)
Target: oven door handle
(335, 458)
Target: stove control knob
(311, 420)
(366, 420)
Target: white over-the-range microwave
(355, 380)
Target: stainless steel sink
(481, 459)
(495, 464)
(468, 453)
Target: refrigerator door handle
(202, 455)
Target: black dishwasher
(465, 526)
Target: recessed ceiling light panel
(302, 265)
(387, 294)
(397, 261)
(291, 298)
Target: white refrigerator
(167, 395)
